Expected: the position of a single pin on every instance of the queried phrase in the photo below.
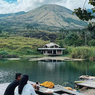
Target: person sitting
(11, 87)
(24, 88)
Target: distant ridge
(10, 14)
(50, 15)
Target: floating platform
(86, 83)
(57, 90)
(87, 77)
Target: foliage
(82, 52)
(71, 39)
(92, 2)
(41, 35)
(4, 53)
(91, 28)
(91, 42)
(21, 45)
(83, 14)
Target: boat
(87, 77)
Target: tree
(91, 28)
(71, 39)
(62, 30)
(83, 14)
(0, 31)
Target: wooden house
(52, 49)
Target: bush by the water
(5, 54)
(82, 52)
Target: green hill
(44, 17)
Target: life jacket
(47, 84)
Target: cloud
(27, 5)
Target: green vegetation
(19, 36)
(5, 54)
(71, 39)
(84, 14)
(20, 45)
(81, 52)
(26, 41)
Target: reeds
(81, 52)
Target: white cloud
(72, 4)
(26, 5)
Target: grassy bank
(82, 52)
(21, 45)
(27, 47)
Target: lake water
(63, 73)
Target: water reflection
(57, 72)
(50, 65)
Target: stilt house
(52, 49)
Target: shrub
(81, 52)
(91, 43)
(71, 39)
(12, 56)
(4, 53)
(33, 52)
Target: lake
(63, 73)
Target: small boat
(87, 77)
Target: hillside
(21, 45)
(10, 14)
(43, 17)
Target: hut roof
(51, 44)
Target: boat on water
(87, 77)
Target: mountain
(90, 10)
(10, 14)
(46, 16)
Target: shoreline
(55, 59)
(47, 58)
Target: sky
(12, 6)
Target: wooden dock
(86, 83)
(57, 90)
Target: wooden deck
(86, 83)
(57, 90)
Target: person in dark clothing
(11, 87)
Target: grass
(81, 52)
(21, 45)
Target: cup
(37, 87)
